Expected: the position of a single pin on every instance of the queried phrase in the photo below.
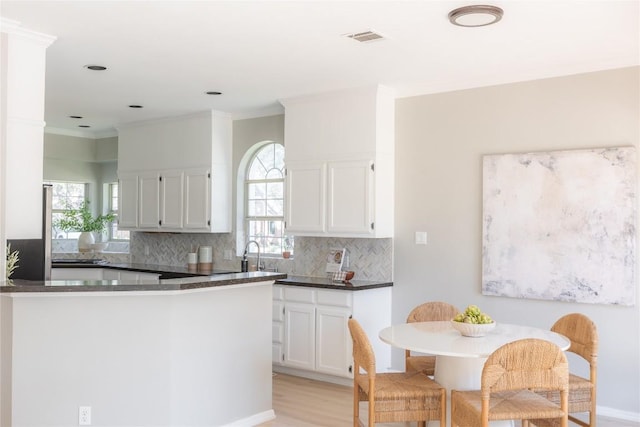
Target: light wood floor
(299, 402)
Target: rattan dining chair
(427, 312)
(392, 397)
(583, 334)
(508, 376)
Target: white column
(22, 130)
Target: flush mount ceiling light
(95, 67)
(475, 16)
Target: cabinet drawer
(336, 298)
(278, 293)
(300, 295)
(277, 314)
(277, 332)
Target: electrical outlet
(84, 415)
(228, 255)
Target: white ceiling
(165, 54)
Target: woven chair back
(582, 333)
(363, 354)
(432, 311)
(528, 363)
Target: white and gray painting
(560, 225)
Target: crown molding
(113, 132)
(530, 75)
(107, 133)
(339, 94)
(265, 112)
(12, 27)
(206, 113)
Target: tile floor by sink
(300, 402)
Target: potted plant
(12, 262)
(288, 245)
(81, 219)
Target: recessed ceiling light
(84, 126)
(136, 106)
(75, 117)
(475, 16)
(213, 92)
(95, 67)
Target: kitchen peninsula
(182, 351)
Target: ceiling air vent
(365, 36)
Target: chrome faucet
(258, 266)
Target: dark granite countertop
(175, 284)
(165, 271)
(326, 283)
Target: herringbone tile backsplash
(371, 259)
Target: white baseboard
(618, 414)
(313, 375)
(254, 420)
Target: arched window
(264, 200)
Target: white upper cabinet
(350, 197)
(308, 179)
(183, 170)
(128, 207)
(149, 203)
(340, 163)
(171, 199)
(197, 198)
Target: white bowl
(472, 329)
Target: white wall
(440, 141)
(77, 159)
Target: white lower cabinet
(311, 333)
(333, 341)
(299, 337)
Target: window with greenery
(114, 233)
(64, 195)
(264, 201)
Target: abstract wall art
(561, 225)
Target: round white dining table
(460, 359)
